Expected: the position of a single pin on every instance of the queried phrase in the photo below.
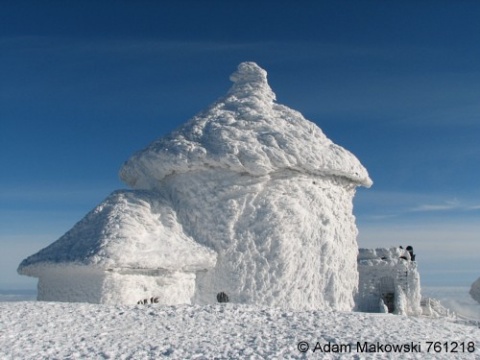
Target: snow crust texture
(41, 330)
(247, 198)
(475, 290)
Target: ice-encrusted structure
(475, 290)
(123, 251)
(264, 194)
(388, 282)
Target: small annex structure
(388, 281)
(248, 201)
(124, 251)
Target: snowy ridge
(246, 131)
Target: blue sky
(84, 84)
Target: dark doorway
(386, 288)
(389, 301)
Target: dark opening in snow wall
(245, 131)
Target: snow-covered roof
(379, 253)
(130, 230)
(390, 256)
(246, 132)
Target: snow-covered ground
(48, 330)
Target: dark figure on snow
(410, 250)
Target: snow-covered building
(129, 248)
(264, 195)
(475, 290)
(388, 282)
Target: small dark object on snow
(410, 250)
(152, 300)
(222, 297)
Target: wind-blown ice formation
(260, 186)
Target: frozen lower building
(388, 282)
(129, 248)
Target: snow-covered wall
(286, 239)
(70, 283)
(388, 279)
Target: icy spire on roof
(251, 80)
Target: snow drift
(264, 195)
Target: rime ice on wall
(475, 290)
(260, 186)
(388, 278)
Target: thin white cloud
(448, 205)
(383, 205)
(432, 208)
